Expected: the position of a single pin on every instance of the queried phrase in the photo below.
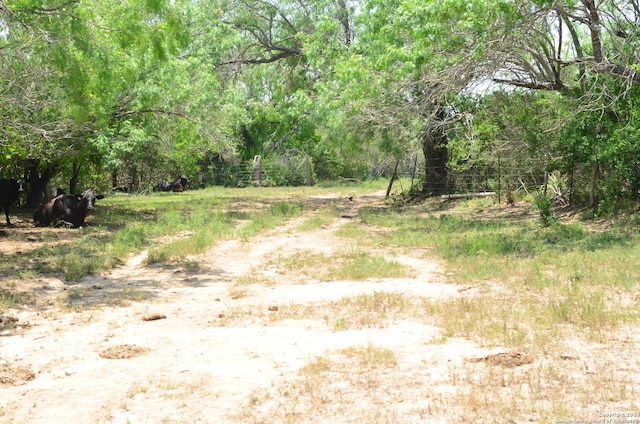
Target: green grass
(275, 214)
(171, 226)
(206, 227)
(12, 298)
(538, 289)
(566, 274)
(554, 276)
(452, 236)
(192, 233)
(318, 220)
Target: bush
(547, 217)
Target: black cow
(69, 209)
(10, 191)
(177, 186)
(43, 216)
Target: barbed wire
(504, 178)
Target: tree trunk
(434, 147)
(73, 181)
(592, 185)
(38, 182)
(134, 178)
(308, 173)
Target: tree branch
(145, 111)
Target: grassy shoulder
(535, 279)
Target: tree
(585, 50)
(95, 72)
(409, 59)
(283, 50)
(555, 41)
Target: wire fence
(503, 179)
(260, 173)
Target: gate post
(257, 170)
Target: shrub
(547, 217)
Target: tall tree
(107, 81)
(410, 58)
(282, 50)
(555, 41)
(586, 50)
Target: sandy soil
(180, 344)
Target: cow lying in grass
(67, 209)
(177, 186)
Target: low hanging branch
(158, 111)
(541, 68)
(283, 54)
(273, 35)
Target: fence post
(307, 167)
(393, 177)
(413, 172)
(499, 177)
(257, 170)
(546, 174)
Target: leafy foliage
(136, 92)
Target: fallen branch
(468, 195)
(349, 180)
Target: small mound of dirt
(124, 351)
(15, 376)
(7, 321)
(505, 359)
(153, 317)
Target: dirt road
(189, 345)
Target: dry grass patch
(238, 292)
(255, 278)
(124, 351)
(175, 397)
(545, 390)
(351, 385)
(517, 316)
(371, 357)
(369, 310)
(97, 296)
(234, 315)
(352, 265)
(372, 384)
(373, 310)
